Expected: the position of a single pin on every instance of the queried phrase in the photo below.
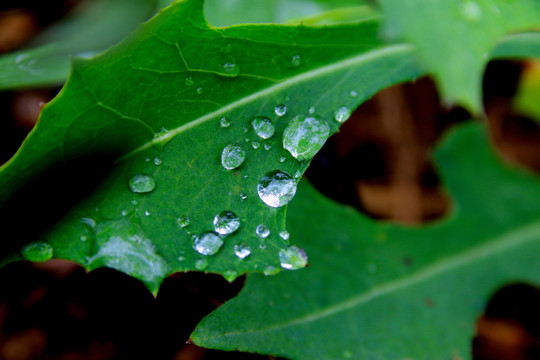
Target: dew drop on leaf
(262, 231)
(263, 127)
(226, 222)
(142, 183)
(199, 90)
(243, 196)
(296, 60)
(471, 11)
(157, 161)
(230, 275)
(297, 174)
(189, 81)
(242, 251)
(311, 110)
(91, 223)
(207, 243)
(232, 156)
(353, 93)
(255, 145)
(282, 159)
(224, 122)
(276, 188)
(280, 110)
(230, 68)
(37, 251)
(267, 147)
(342, 114)
(305, 136)
(284, 235)
(147, 212)
(270, 270)
(201, 264)
(292, 258)
(183, 221)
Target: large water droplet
(342, 114)
(183, 221)
(263, 127)
(292, 258)
(262, 231)
(232, 156)
(142, 183)
(37, 251)
(242, 251)
(201, 264)
(226, 222)
(224, 122)
(280, 109)
(207, 243)
(276, 188)
(305, 136)
(230, 68)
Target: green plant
(183, 130)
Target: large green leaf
(152, 106)
(380, 291)
(454, 37)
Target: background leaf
(380, 291)
(454, 37)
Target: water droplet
(230, 68)
(280, 110)
(242, 251)
(243, 196)
(305, 136)
(226, 222)
(276, 188)
(207, 243)
(124, 212)
(297, 174)
(224, 122)
(270, 270)
(230, 275)
(147, 212)
(245, 130)
(157, 161)
(134, 202)
(247, 139)
(471, 11)
(83, 238)
(262, 231)
(189, 81)
(232, 156)
(284, 235)
(37, 251)
(296, 60)
(353, 93)
(255, 145)
(88, 221)
(311, 110)
(159, 134)
(183, 221)
(267, 147)
(201, 264)
(282, 159)
(263, 127)
(199, 90)
(142, 183)
(181, 258)
(342, 114)
(292, 258)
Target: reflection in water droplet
(280, 110)
(207, 243)
(305, 136)
(242, 251)
(255, 145)
(263, 127)
(37, 251)
(292, 258)
(232, 156)
(342, 114)
(189, 81)
(224, 122)
(183, 221)
(276, 188)
(201, 264)
(142, 183)
(157, 161)
(284, 235)
(226, 222)
(262, 231)
(270, 270)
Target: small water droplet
(282, 159)
(255, 145)
(353, 93)
(305, 136)
(201, 264)
(133, 202)
(270, 270)
(147, 212)
(342, 114)
(292, 258)
(224, 122)
(183, 221)
(226, 222)
(263, 127)
(83, 238)
(181, 258)
(207, 243)
(297, 174)
(245, 129)
(267, 147)
(311, 110)
(124, 212)
(37, 251)
(296, 60)
(189, 81)
(276, 188)
(232, 156)
(88, 221)
(284, 235)
(230, 275)
(157, 161)
(280, 109)
(230, 68)
(242, 251)
(243, 196)
(142, 183)
(199, 90)
(247, 139)
(262, 231)
(471, 11)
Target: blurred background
(379, 162)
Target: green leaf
(381, 291)
(146, 114)
(91, 29)
(526, 99)
(454, 37)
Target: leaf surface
(375, 290)
(454, 37)
(151, 108)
